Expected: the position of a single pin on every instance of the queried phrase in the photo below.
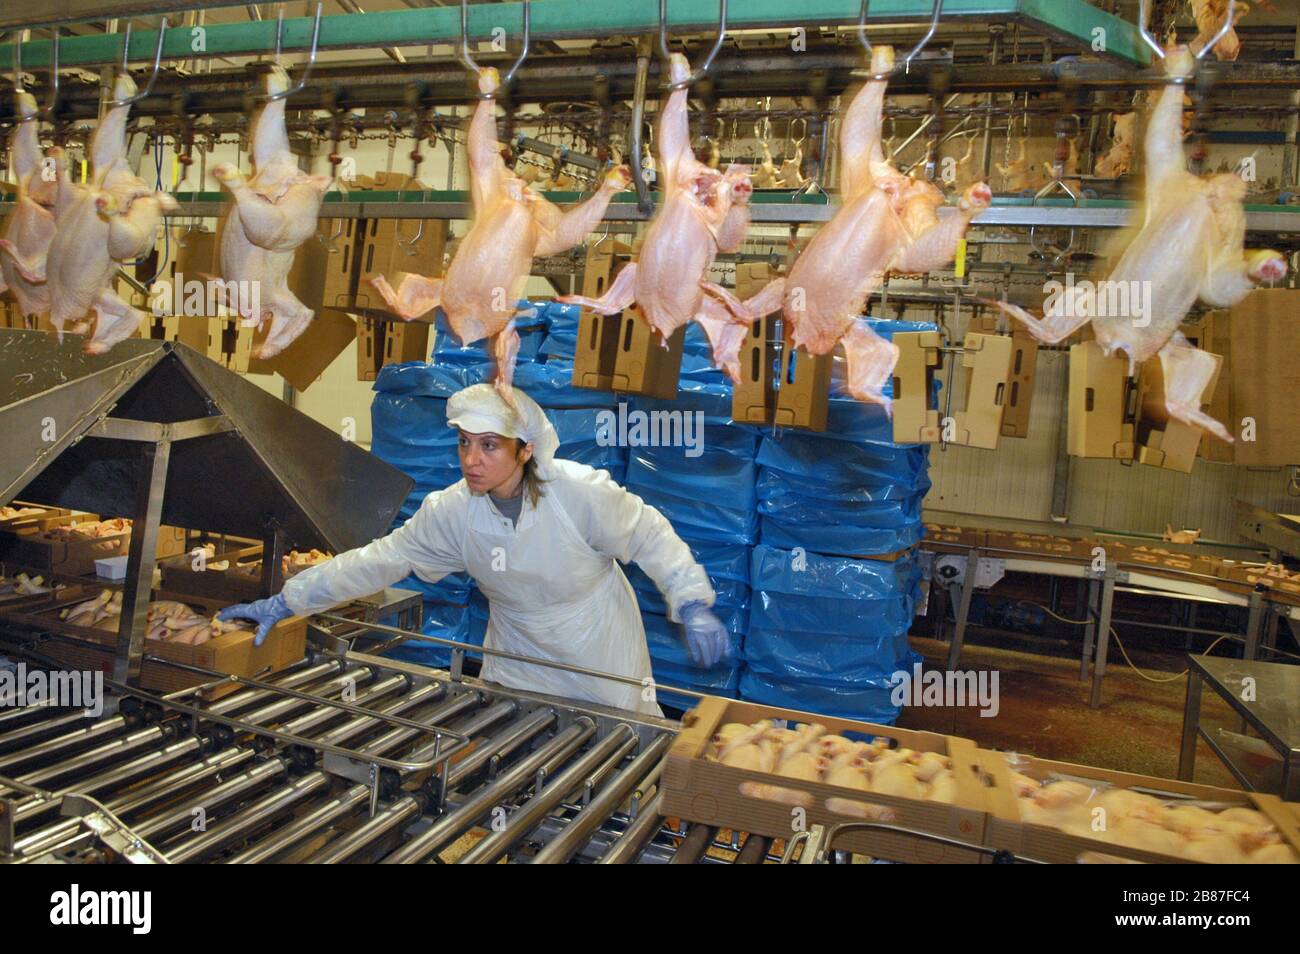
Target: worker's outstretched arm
(428, 541)
(621, 525)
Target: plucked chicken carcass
(111, 220)
(886, 222)
(808, 753)
(31, 226)
(1020, 174)
(14, 513)
(22, 585)
(1189, 246)
(511, 224)
(1137, 820)
(165, 620)
(1119, 158)
(703, 212)
(1210, 15)
(273, 213)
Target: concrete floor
(1043, 709)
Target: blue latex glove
(706, 637)
(265, 612)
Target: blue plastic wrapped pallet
(827, 633)
(531, 323)
(860, 500)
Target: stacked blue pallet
(409, 430)
(827, 629)
(703, 481)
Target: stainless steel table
(1266, 696)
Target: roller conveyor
(349, 758)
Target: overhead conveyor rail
(773, 208)
(1073, 21)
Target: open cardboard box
(1005, 829)
(699, 790)
(240, 582)
(1101, 401)
(232, 653)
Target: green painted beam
(559, 19)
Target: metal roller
(368, 832)
(71, 740)
(636, 836)
(499, 747)
(499, 792)
(754, 850)
(265, 809)
(54, 836)
(694, 845)
(525, 819)
(235, 787)
(561, 848)
(304, 827)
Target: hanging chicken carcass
(886, 222)
(1119, 158)
(113, 219)
(512, 223)
(272, 214)
(1210, 16)
(1190, 245)
(31, 227)
(704, 211)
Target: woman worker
(541, 537)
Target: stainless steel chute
(273, 465)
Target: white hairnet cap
(480, 409)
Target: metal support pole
(986, 148)
(141, 559)
(1253, 621)
(1191, 720)
(1103, 635)
(1089, 631)
(272, 557)
(963, 610)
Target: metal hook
(1144, 11)
(708, 60)
(906, 64)
(311, 56)
(790, 132)
(45, 111)
(467, 58)
(157, 61)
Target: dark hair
(532, 480)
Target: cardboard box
(699, 790)
(1020, 378)
(915, 421)
(232, 653)
(370, 347)
(240, 582)
(1216, 339)
(753, 277)
(230, 343)
(802, 399)
(1162, 441)
(1101, 418)
(1265, 376)
(987, 360)
(28, 544)
(598, 335)
(44, 518)
(1005, 829)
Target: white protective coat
(552, 582)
